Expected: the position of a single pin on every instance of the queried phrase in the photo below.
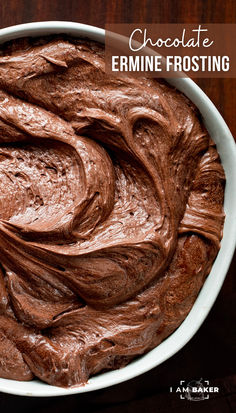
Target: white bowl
(205, 300)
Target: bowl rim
(210, 289)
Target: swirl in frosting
(111, 215)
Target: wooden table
(210, 354)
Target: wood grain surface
(211, 353)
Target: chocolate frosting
(110, 211)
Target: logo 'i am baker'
(195, 390)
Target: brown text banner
(171, 50)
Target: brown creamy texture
(111, 214)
